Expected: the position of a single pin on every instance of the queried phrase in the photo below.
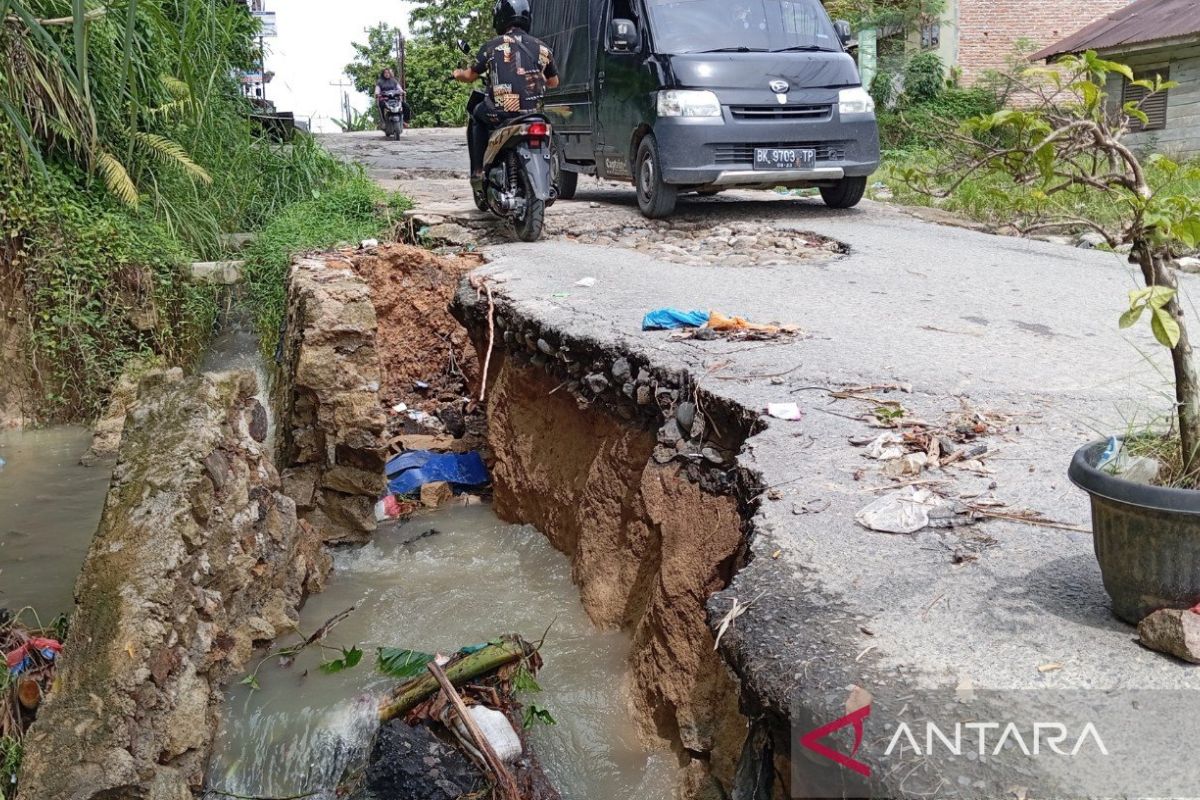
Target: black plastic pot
(1147, 539)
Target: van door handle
(600, 77)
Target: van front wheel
(655, 197)
(845, 193)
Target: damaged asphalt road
(1023, 329)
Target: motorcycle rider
(387, 83)
(519, 69)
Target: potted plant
(1063, 161)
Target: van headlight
(855, 101)
(677, 103)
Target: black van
(705, 95)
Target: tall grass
(126, 149)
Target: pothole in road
(697, 242)
(430, 174)
(690, 240)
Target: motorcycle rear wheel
(529, 226)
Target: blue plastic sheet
(665, 319)
(411, 470)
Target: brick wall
(988, 30)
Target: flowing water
(49, 509)
(455, 577)
(236, 346)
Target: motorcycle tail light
(537, 132)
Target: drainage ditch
(627, 471)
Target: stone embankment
(330, 420)
(198, 557)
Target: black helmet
(508, 14)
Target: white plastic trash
(496, 728)
(886, 447)
(905, 511)
(788, 411)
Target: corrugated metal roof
(1139, 22)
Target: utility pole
(400, 60)
(347, 110)
(262, 67)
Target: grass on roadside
(352, 210)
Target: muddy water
(49, 509)
(473, 579)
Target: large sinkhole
(630, 513)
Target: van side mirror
(842, 28)
(623, 36)
(466, 48)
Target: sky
(313, 47)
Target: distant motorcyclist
(519, 69)
(387, 83)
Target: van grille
(743, 153)
(814, 112)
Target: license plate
(784, 158)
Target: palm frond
(117, 179)
(28, 146)
(178, 89)
(173, 110)
(43, 88)
(79, 29)
(172, 153)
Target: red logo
(811, 740)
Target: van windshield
(708, 26)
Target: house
(1153, 37)
(973, 37)
(985, 35)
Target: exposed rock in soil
(17, 385)
(411, 763)
(330, 420)
(419, 340)
(427, 360)
(197, 557)
(1172, 631)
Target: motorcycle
(393, 114)
(517, 183)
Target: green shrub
(102, 284)
(114, 176)
(914, 126)
(924, 78)
(882, 90)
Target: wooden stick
(504, 779)
(491, 320)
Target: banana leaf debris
(453, 728)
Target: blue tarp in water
(411, 470)
(664, 319)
